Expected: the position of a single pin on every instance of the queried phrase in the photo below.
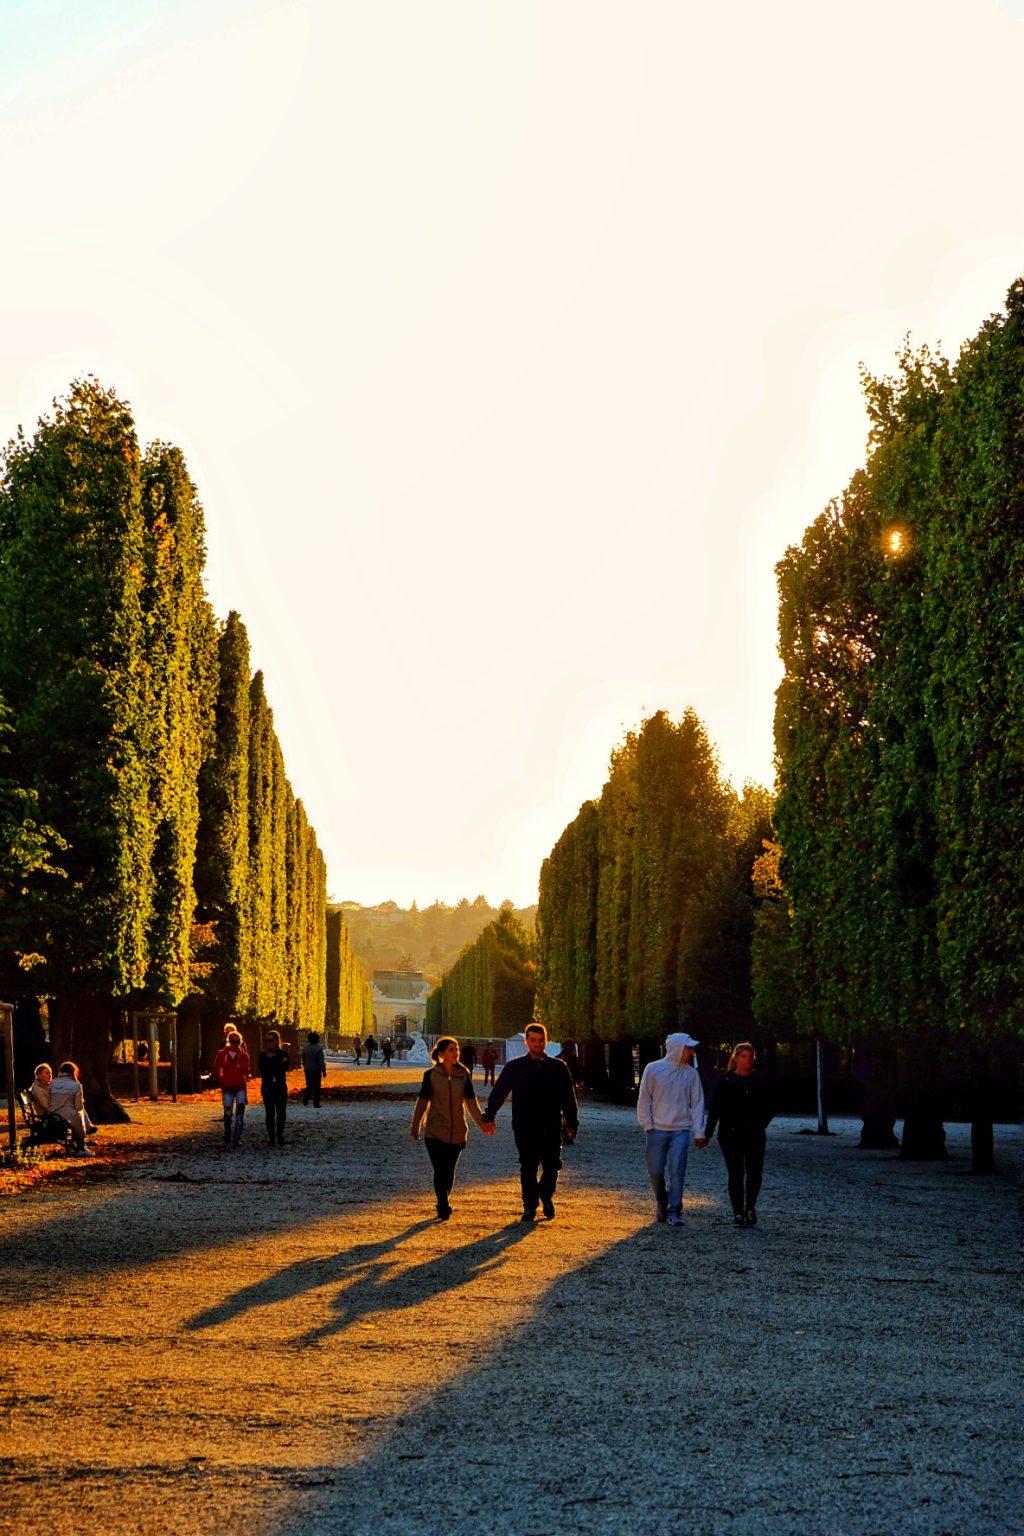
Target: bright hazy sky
(509, 346)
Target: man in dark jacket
(314, 1066)
(543, 1101)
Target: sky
(509, 345)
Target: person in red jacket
(231, 1073)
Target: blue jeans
(667, 1151)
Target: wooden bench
(43, 1128)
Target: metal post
(135, 1057)
(173, 1021)
(7, 1026)
(154, 1053)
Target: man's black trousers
(541, 1151)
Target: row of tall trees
(489, 991)
(349, 998)
(153, 851)
(260, 878)
(899, 736)
(646, 902)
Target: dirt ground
(285, 1341)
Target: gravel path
(285, 1342)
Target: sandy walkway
(285, 1342)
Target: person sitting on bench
(66, 1100)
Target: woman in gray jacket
(445, 1096)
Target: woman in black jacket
(273, 1067)
(741, 1110)
(445, 1095)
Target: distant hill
(389, 937)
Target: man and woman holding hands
(670, 1108)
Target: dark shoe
(751, 1218)
(675, 1220)
(528, 1216)
(740, 1219)
(660, 1211)
(548, 1207)
(280, 1141)
(444, 1212)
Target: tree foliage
(491, 987)
(646, 910)
(72, 670)
(151, 849)
(898, 720)
(349, 1009)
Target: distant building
(399, 1001)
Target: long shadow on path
(372, 1277)
(795, 1378)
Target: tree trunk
(924, 1135)
(621, 1076)
(29, 1040)
(819, 1074)
(595, 1068)
(188, 1045)
(876, 1069)
(211, 1035)
(983, 1156)
(80, 1032)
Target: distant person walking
(387, 1050)
(314, 1067)
(489, 1060)
(543, 1109)
(357, 1049)
(741, 1109)
(231, 1069)
(468, 1057)
(446, 1094)
(571, 1056)
(369, 1045)
(670, 1108)
(272, 1064)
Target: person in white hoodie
(670, 1108)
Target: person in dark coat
(741, 1110)
(369, 1046)
(272, 1067)
(468, 1057)
(571, 1057)
(387, 1050)
(489, 1060)
(543, 1109)
(314, 1067)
